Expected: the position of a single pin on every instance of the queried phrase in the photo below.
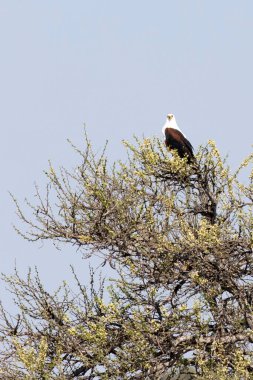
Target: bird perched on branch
(175, 139)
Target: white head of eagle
(175, 139)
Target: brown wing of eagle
(174, 139)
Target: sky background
(119, 67)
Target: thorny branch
(179, 237)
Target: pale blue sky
(119, 67)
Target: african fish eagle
(175, 139)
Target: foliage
(179, 238)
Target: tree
(179, 238)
